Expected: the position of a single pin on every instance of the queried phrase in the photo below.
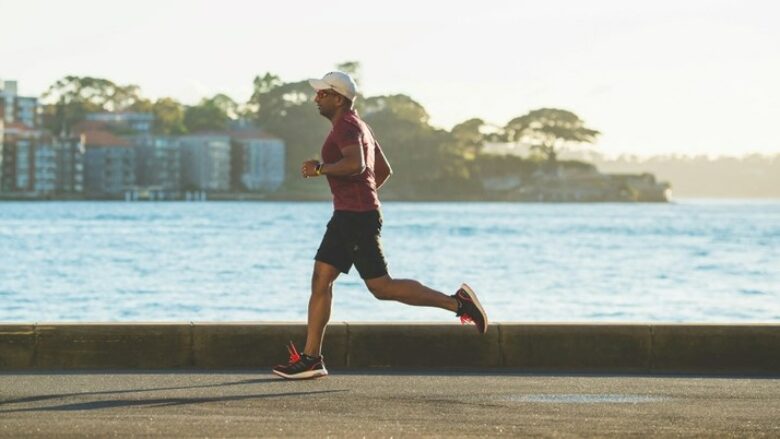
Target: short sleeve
(347, 135)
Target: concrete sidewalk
(384, 404)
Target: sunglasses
(323, 93)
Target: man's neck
(339, 114)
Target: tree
(469, 137)
(226, 104)
(426, 160)
(548, 130)
(141, 105)
(211, 114)
(168, 117)
(352, 68)
(67, 101)
(261, 86)
(287, 111)
(265, 84)
(400, 106)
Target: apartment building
(29, 160)
(15, 108)
(109, 164)
(205, 162)
(124, 122)
(158, 162)
(258, 160)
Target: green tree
(261, 85)
(426, 160)
(127, 98)
(548, 130)
(469, 137)
(67, 101)
(141, 105)
(352, 68)
(168, 117)
(287, 110)
(227, 105)
(211, 114)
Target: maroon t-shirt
(355, 193)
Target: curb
(533, 347)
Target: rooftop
(103, 138)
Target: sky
(658, 77)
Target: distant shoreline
(255, 198)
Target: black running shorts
(353, 238)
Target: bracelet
(318, 169)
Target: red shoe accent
(294, 356)
(469, 308)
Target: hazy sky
(655, 77)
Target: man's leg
(319, 306)
(370, 262)
(464, 303)
(409, 292)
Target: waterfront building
(124, 122)
(29, 160)
(44, 167)
(18, 141)
(109, 164)
(69, 156)
(158, 162)
(15, 108)
(205, 162)
(18, 120)
(2, 151)
(257, 160)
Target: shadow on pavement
(161, 402)
(116, 392)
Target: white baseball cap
(339, 82)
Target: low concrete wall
(606, 348)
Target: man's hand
(309, 168)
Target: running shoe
(469, 309)
(301, 366)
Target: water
(692, 261)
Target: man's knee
(319, 277)
(323, 276)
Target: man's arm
(382, 169)
(352, 163)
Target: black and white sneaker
(301, 366)
(469, 308)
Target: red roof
(103, 138)
(20, 130)
(17, 126)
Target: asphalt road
(384, 404)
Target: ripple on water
(751, 292)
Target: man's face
(327, 102)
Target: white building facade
(262, 162)
(205, 162)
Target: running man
(356, 168)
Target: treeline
(425, 158)
(750, 176)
